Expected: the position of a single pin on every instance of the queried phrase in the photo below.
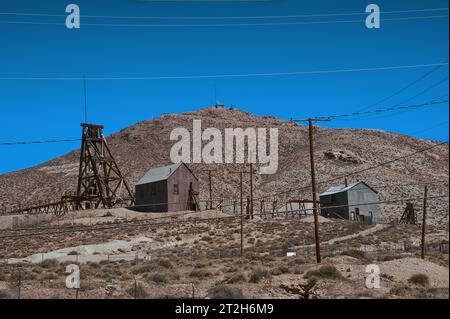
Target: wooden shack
(356, 201)
(169, 188)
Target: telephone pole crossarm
(313, 179)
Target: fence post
(274, 204)
(424, 219)
(262, 209)
(19, 285)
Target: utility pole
(210, 190)
(19, 284)
(241, 185)
(313, 181)
(251, 190)
(242, 216)
(424, 218)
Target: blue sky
(53, 109)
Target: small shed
(356, 201)
(169, 188)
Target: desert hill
(338, 152)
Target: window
(175, 189)
(333, 198)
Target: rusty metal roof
(158, 174)
(343, 188)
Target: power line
(212, 25)
(407, 100)
(389, 109)
(220, 17)
(340, 177)
(403, 88)
(181, 77)
(331, 117)
(429, 128)
(39, 142)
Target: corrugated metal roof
(158, 174)
(340, 189)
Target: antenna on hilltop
(215, 93)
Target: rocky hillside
(338, 152)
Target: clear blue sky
(53, 109)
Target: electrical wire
(181, 77)
(219, 25)
(220, 17)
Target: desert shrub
(276, 272)
(419, 279)
(50, 276)
(4, 294)
(257, 274)
(84, 285)
(199, 273)
(158, 278)
(93, 265)
(297, 261)
(387, 257)
(296, 271)
(427, 293)
(140, 291)
(153, 265)
(3, 276)
(164, 263)
(283, 269)
(206, 238)
(24, 275)
(37, 270)
(72, 253)
(325, 272)
(399, 290)
(49, 263)
(236, 278)
(225, 292)
(355, 254)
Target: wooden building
(356, 201)
(167, 189)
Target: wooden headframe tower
(100, 182)
(409, 215)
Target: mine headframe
(100, 181)
(409, 215)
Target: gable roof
(343, 188)
(159, 174)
